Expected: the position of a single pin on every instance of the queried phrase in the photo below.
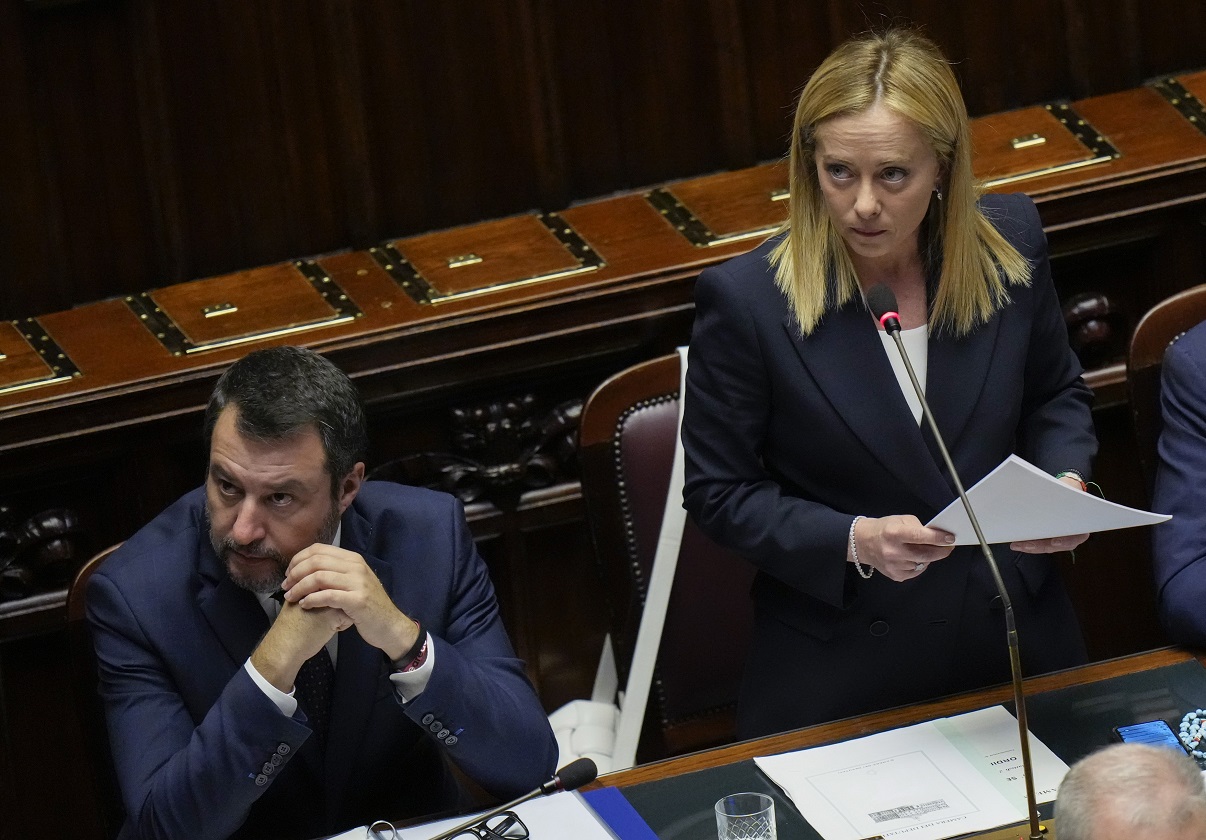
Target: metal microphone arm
(1015, 659)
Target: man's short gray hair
(1136, 787)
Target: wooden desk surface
(903, 716)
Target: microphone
(572, 776)
(882, 303)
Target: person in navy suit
(291, 651)
(804, 449)
(1179, 545)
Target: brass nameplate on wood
(1063, 141)
(31, 358)
(506, 254)
(256, 305)
(1028, 141)
(727, 207)
(1181, 98)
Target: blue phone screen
(1156, 733)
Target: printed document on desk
(560, 815)
(1018, 501)
(925, 782)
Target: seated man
(1132, 790)
(1179, 545)
(387, 624)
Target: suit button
(261, 780)
(878, 628)
(268, 768)
(442, 734)
(451, 740)
(282, 749)
(276, 760)
(435, 726)
(428, 718)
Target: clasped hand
(326, 577)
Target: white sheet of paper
(909, 783)
(1018, 501)
(988, 738)
(559, 815)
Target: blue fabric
(787, 438)
(611, 806)
(192, 734)
(1179, 545)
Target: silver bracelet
(870, 570)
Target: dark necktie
(313, 688)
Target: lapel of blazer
(235, 615)
(361, 674)
(957, 374)
(845, 357)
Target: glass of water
(745, 816)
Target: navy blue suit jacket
(194, 739)
(1179, 545)
(787, 438)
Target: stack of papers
(1018, 501)
(926, 782)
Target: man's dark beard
(271, 580)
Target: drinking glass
(745, 816)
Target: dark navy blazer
(200, 751)
(788, 438)
(1179, 545)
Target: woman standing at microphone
(805, 451)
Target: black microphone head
(881, 301)
(883, 307)
(576, 774)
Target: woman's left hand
(1055, 543)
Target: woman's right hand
(900, 547)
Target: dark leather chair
(1163, 324)
(92, 716)
(627, 451)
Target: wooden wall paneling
(733, 83)
(785, 41)
(30, 239)
(83, 103)
(1103, 53)
(350, 158)
(1012, 54)
(165, 240)
(544, 93)
(450, 128)
(665, 86)
(1170, 35)
(580, 54)
(253, 132)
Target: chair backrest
(87, 701)
(1163, 324)
(626, 444)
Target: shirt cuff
(287, 703)
(410, 685)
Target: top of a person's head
(1132, 790)
(905, 72)
(281, 391)
(900, 69)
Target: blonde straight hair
(906, 72)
